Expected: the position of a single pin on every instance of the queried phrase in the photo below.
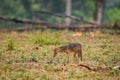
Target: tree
(27, 7)
(100, 6)
(68, 11)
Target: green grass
(11, 44)
(29, 55)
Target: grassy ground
(29, 56)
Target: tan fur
(72, 48)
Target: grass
(29, 55)
(11, 44)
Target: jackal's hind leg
(75, 57)
(67, 58)
(80, 56)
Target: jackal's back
(72, 47)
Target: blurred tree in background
(99, 11)
(24, 9)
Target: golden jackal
(74, 48)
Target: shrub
(114, 72)
(45, 40)
(11, 44)
(116, 58)
(34, 58)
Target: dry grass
(32, 56)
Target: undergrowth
(33, 58)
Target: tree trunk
(100, 6)
(27, 6)
(68, 11)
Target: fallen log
(94, 68)
(68, 16)
(91, 68)
(26, 21)
(46, 25)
